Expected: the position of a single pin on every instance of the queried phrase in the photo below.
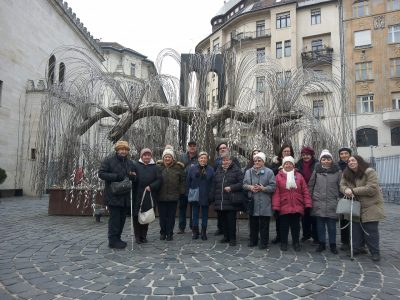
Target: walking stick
(351, 229)
(131, 218)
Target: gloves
(276, 214)
(307, 211)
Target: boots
(195, 232)
(333, 249)
(204, 233)
(321, 247)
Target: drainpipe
(342, 73)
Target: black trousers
(140, 230)
(259, 229)
(116, 222)
(167, 214)
(228, 220)
(291, 221)
(220, 222)
(309, 225)
(277, 228)
(345, 232)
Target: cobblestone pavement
(53, 257)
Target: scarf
(290, 180)
(307, 169)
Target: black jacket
(113, 169)
(233, 178)
(147, 175)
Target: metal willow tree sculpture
(147, 113)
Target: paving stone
(243, 294)
(204, 289)
(261, 290)
(162, 291)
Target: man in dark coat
(115, 168)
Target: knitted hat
(121, 145)
(325, 152)
(168, 152)
(308, 150)
(260, 155)
(286, 159)
(345, 149)
(145, 150)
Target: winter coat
(203, 181)
(147, 175)
(300, 166)
(291, 201)
(324, 190)
(368, 192)
(188, 162)
(173, 181)
(276, 165)
(262, 200)
(218, 162)
(231, 177)
(115, 168)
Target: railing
(389, 177)
(246, 36)
(323, 55)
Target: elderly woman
(291, 198)
(147, 185)
(361, 182)
(259, 181)
(172, 188)
(200, 177)
(227, 184)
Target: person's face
(288, 166)
(352, 163)
(344, 155)
(192, 148)
(146, 158)
(254, 153)
(167, 159)
(286, 152)
(306, 156)
(123, 152)
(226, 162)
(203, 160)
(258, 163)
(326, 162)
(222, 149)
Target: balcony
(391, 116)
(244, 37)
(317, 57)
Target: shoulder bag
(121, 187)
(193, 195)
(347, 206)
(148, 216)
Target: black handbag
(121, 187)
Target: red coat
(291, 201)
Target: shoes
(297, 247)
(232, 243)
(359, 252)
(169, 237)
(162, 237)
(276, 240)
(334, 249)
(283, 247)
(345, 247)
(143, 240)
(218, 232)
(376, 257)
(251, 244)
(224, 241)
(304, 239)
(181, 231)
(315, 242)
(321, 247)
(138, 241)
(263, 246)
(117, 245)
(204, 233)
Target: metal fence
(388, 169)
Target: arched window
(395, 136)
(61, 73)
(366, 137)
(52, 66)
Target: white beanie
(286, 159)
(259, 155)
(325, 152)
(168, 151)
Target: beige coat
(368, 192)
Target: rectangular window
(288, 48)
(393, 5)
(395, 67)
(396, 100)
(360, 9)
(216, 44)
(394, 34)
(33, 154)
(315, 16)
(260, 55)
(318, 109)
(365, 104)
(260, 84)
(260, 28)
(364, 71)
(362, 38)
(279, 50)
(1, 90)
(283, 20)
(316, 45)
(133, 69)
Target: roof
(119, 48)
(227, 6)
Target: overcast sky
(148, 26)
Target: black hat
(191, 142)
(345, 149)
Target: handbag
(347, 206)
(121, 187)
(249, 200)
(147, 216)
(193, 195)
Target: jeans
(322, 224)
(167, 212)
(183, 204)
(116, 222)
(195, 214)
(291, 221)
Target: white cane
(351, 229)
(131, 218)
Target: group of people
(303, 194)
